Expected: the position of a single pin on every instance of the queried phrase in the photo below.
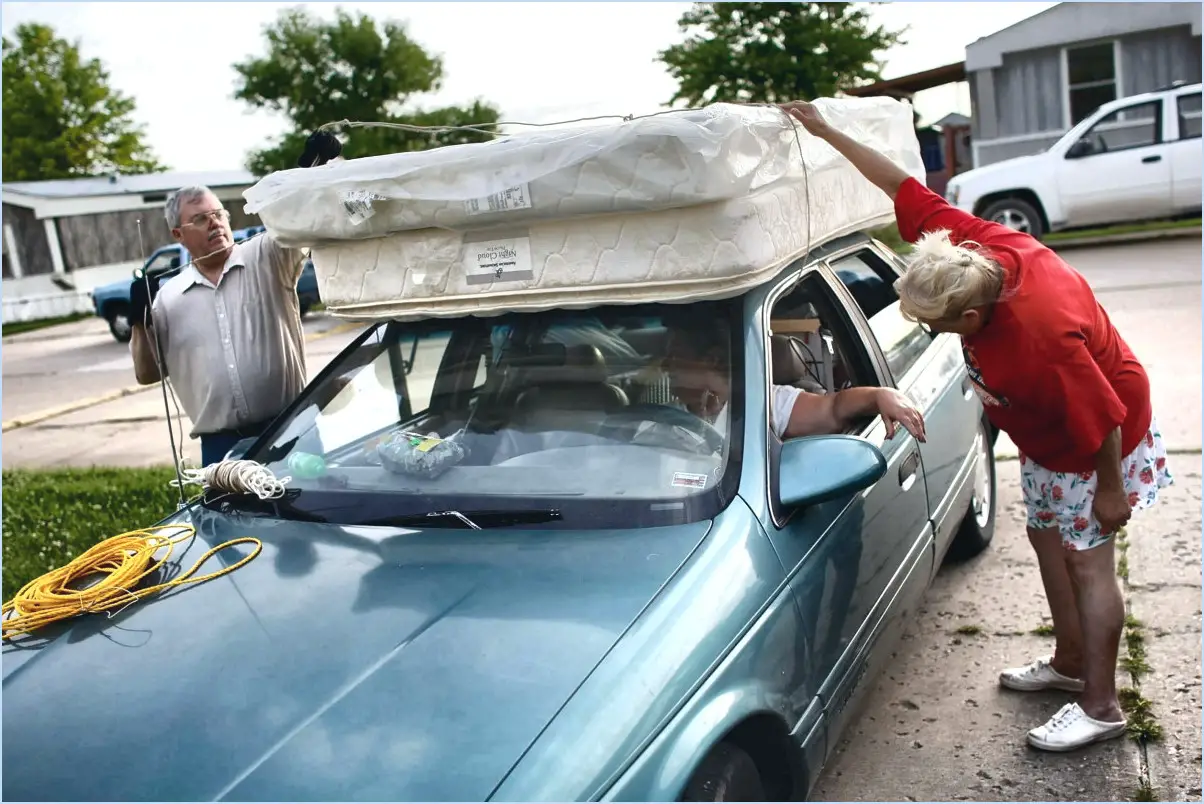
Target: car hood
(996, 171)
(341, 664)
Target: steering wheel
(631, 417)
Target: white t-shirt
(781, 405)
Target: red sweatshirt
(1052, 371)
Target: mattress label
(358, 204)
(502, 258)
(518, 197)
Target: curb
(1125, 237)
(129, 390)
(63, 410)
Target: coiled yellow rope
(123, 561)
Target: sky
(539, 62)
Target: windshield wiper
(476, 520)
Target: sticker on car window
(690, 481)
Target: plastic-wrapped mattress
(687, 205)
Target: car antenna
(141, 274)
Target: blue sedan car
(510, 566)
(112, 301)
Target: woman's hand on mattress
(808, 115)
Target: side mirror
(821, 468)
(1083, 147)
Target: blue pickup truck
(112, 301)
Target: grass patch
(891, 237)
(969, 630)
(1134, 662)
(1043, 631)
(50, 517)
(1140, 714)
(17, 327)
(1124, 228)
(1145, 793)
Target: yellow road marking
(62, 410)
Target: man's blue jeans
(214, 446)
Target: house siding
(107, 238)
(1028, 92)
(1156, 59)
(987, 153)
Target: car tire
(727, 773)
(1015, 213)
(119, 323)
(978, 527)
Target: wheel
(978, 527)
(728, 773)
(119, 323)
(1015, 213)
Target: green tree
(61, 118)
(317, 72)
(774, 52)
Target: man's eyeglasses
(204, 218)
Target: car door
(852, 560)
(1185, 153)
(1120, 168)
(931, 371)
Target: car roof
(1156, 94)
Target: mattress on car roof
(708, 251)
(675, 160)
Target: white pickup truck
(1136, 158)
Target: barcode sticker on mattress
(506, 201)
(497, 259)
(358, 205)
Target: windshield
(612, 417)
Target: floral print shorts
(1064, 499)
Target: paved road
(74, 374)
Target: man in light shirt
(229, 324)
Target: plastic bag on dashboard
(426, 456)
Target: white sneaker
(1073, 728)
(1039, 675)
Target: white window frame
(14, 259)
(1117, 79)
(1179, 117)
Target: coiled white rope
(235, 477)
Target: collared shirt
(234, 351)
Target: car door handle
(909, 469)
(1149, 160)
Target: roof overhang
(90, 205)
(1070, 23)
(907, 85)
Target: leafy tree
(317, 72)
(774, 52)
(61, 118)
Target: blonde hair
(945, 280)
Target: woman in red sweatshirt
(1054, 374)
